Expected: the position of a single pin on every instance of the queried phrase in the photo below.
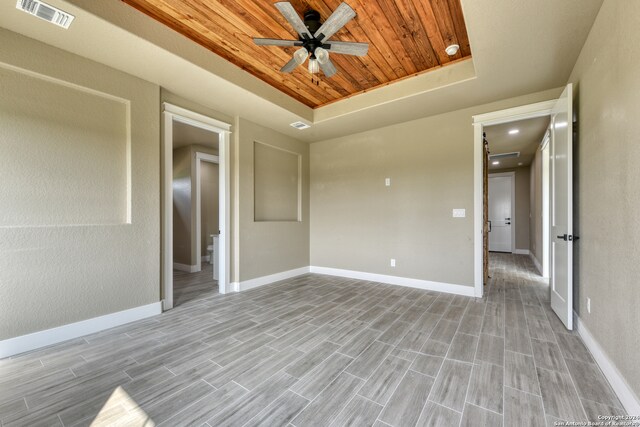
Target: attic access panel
(405, 38)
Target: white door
(500, 201)
(561, 186)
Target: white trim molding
(170, 114)
(539, 109)
(625, 393)
(396, 280)
(522, 252)
(24, 343)
(266, 280)
(192, 118)
(186, 267)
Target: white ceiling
(518, 46)
(184, 135)
(526, 141)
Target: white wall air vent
(300, 125)
(504, 155)
(46, 12)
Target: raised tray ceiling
(406, 37)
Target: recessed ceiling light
(514, 131)
(495, 163)
(452, 49)
(300, 125)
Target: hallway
(548, 370)
(193, 286)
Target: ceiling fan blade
(290, 66)
(337, 20)
(328, 68)
(276, 42)
(293, 18)
(348, 48)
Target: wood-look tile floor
(322, 351)
(191, 286)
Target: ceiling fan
(314, 38)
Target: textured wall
(182, 189)
(74, 269)
(209, 211)
(268, 247)
(359, 224)
(607, 158)
(535, 189)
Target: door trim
(209, 158)
(171, 113)
(512, 176)
(530, 111)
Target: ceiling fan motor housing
(312, 20)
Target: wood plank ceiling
(406, 38)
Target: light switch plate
(387, 182)
(459, 213)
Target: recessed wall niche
(277, 183)
(64, 153)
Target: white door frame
(544, 152)
(209, 158)
(511, 175)
(531, 111)
(171, 113)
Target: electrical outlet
(589, 305)
(393, 262)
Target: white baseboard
(185, 267)
(265, 280)
(21, 344)
(400, 281)
(536, 262)
(521, 252)
(620, 386)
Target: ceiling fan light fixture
(314, 66)
(300, 55)
(322, 55)
(452, 49)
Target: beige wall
(535, 206)
(268, 247)
(607, 175)
(209, 205)
(359, 224)
(522, 202)
(182, 189)
(81, 264)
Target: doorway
(501, 209)
(192, 142)
(560, 119)
(508, 157)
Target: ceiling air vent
(300, 125)
(504, 156)
(46, 12)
